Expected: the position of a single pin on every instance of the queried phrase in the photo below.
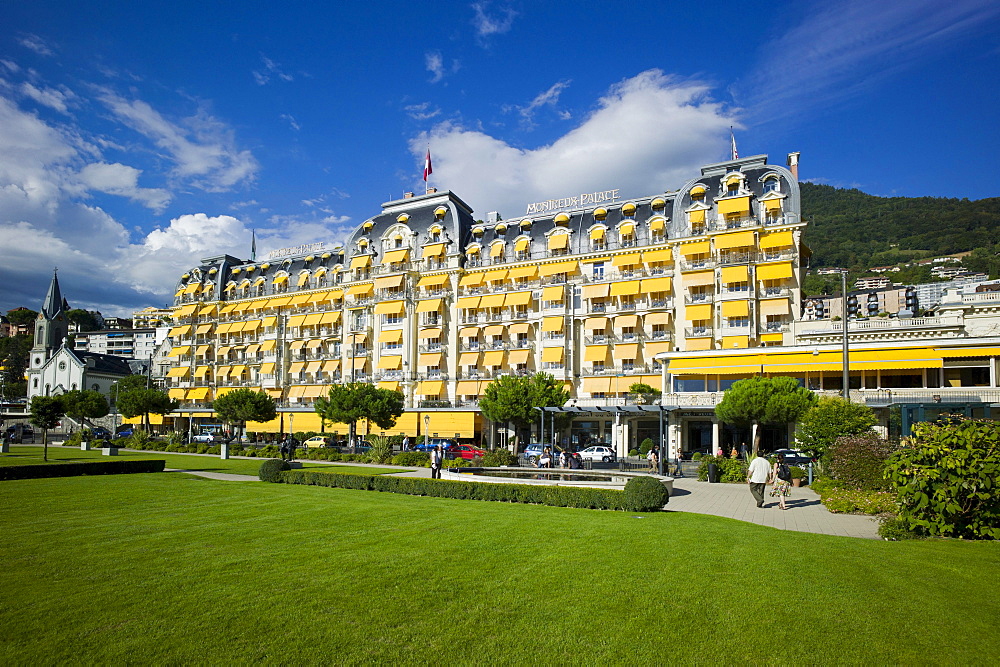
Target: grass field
(171, 568)
(24, 455)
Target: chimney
(431, 191)
(793, 164)
(407, 195)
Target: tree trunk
(755, 431)
(45, 444)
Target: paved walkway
(805, 513)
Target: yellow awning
(312, 319)
(179, 372)
(394, 256)
(522, 244)
(392, 362)
(493, 358)
(331, 365)
(492, 301)
(303, 278)
(429, 305)
(429, 359)
(296, 367)
(521, 272)
(699, 248)
(433, 250)
(204, 329)
(729, 364)
(176, 393)
(626, 260)
(468, 359)
(653, 285)
(772, 338)
(664, 256)
(516, 357)
(597, 233)
(517, 299)
(558, 267)
(181, 330)
(191, 288)
(772, 205)
(430, 387)
(780, 271)
(657, 318)
(361, 262)
(391, 336)
(626, 351)
(496, 250)
(185, 311)
(267, 368)
(626, 229)
(390, 307)
(730, 342)
(202, 350)
(433, 281)
(735, 309)
(735, 240)
(360, 290)
(391, 385)
(698, 313)
(652, 349)
(519, 328)
(626, 321)
(389, 282)
(467, 388)
(268, 345)
(208, 310)
(958, 352)
(625, 288)
(433, 332)
(496, 275)
(280, 279)
(471, 280)
(553, 323)
(278, 301)
(734, 205)
(296, 321)
(599, 291)
(777, 240)
(775, 307)
(469, 302)
(297, 345)
(251, 325)
(595, 353)
(597, 385)
(735, 274)
(180, 351)
(472, 250)
(552, 355)
(200, 393)
(553, 293)
(657, 224)
(595, 323)
(558, 241)
(494, 330)
(697, 216)
(202, 371)
(699, 278)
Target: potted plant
(798, 474)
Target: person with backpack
(758, 475)
(782, 477)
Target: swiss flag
(428, 170)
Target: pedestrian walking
(758, 476)
(283, 448)
(653, 458)
(436, 457)
(406, 443)
(782, 479)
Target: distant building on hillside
(879, 282)
(152, 317)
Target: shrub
(830, 419)
(80, 468)
(946, 479)
(893, 528)
(645, 446)
(797, 472)
(74, 439)
(412, 459)
(855, 501)
(859, 461)
(496, 458)
(645, 494)
(270, 470)
(381, 451)
(633, 452)
(731, 471)
(138, 440)
(696, 456)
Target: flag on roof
(427, 165)
(732, 136)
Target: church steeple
(54, 301)
(52, 326)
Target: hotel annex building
(686, 291)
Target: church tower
(51, 327)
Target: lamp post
(427, 428)
(541, 437)
(847, 376)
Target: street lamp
(847, 376)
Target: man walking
(758, 476)
(436, 456)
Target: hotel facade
(686, 290)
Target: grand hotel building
(425, 299)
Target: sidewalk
(805, 513)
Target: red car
(465, 451)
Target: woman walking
(782, 477)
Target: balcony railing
(698, 332)
(696, 264)
(699, 297)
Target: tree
(22, 316)
(760, 400)
(81, 405)
(831, 418)
(46, 411)
(143, 402)
(513, 399)
(347, 403)
(14, 351)
(84, 319)
(242, 405)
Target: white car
(598, 453)
(202, 437)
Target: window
(598, 273)
(771, 185)
(733, 188)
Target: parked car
(125, 431)
(598, 453)
(431, 443)
(203, 437)
(318, 441)
(100, 433)
(465, 451)
(794, 457)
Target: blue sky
(137, 138)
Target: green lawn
(33, 455)
(168, 568)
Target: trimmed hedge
(555, 496)
(644, 492)
(80, 468)
(271, 469)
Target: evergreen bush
(270, 470)
(422, 459)
(645, 494)
(859, 461)
(496, 458)
(633, 452)
(645, 446)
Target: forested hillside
(851, 229)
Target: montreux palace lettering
(297, 250)
(572, 202)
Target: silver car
(598, 453)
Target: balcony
(699, 297)
(698, 332)
(697, 264)
(776, 327)
(735, 258)
(424, 347)
(432, 375)
(473, 346)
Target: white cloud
(649, 133)
(548, 98)
(50, 97)
(422, 111)
(294, 124)
(850, 46)
(203, 149)
(435, 65)
(487, 25)
(271, 70)
(119, 179)
(36, 44)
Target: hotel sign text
(584, 199)
(297, 250)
